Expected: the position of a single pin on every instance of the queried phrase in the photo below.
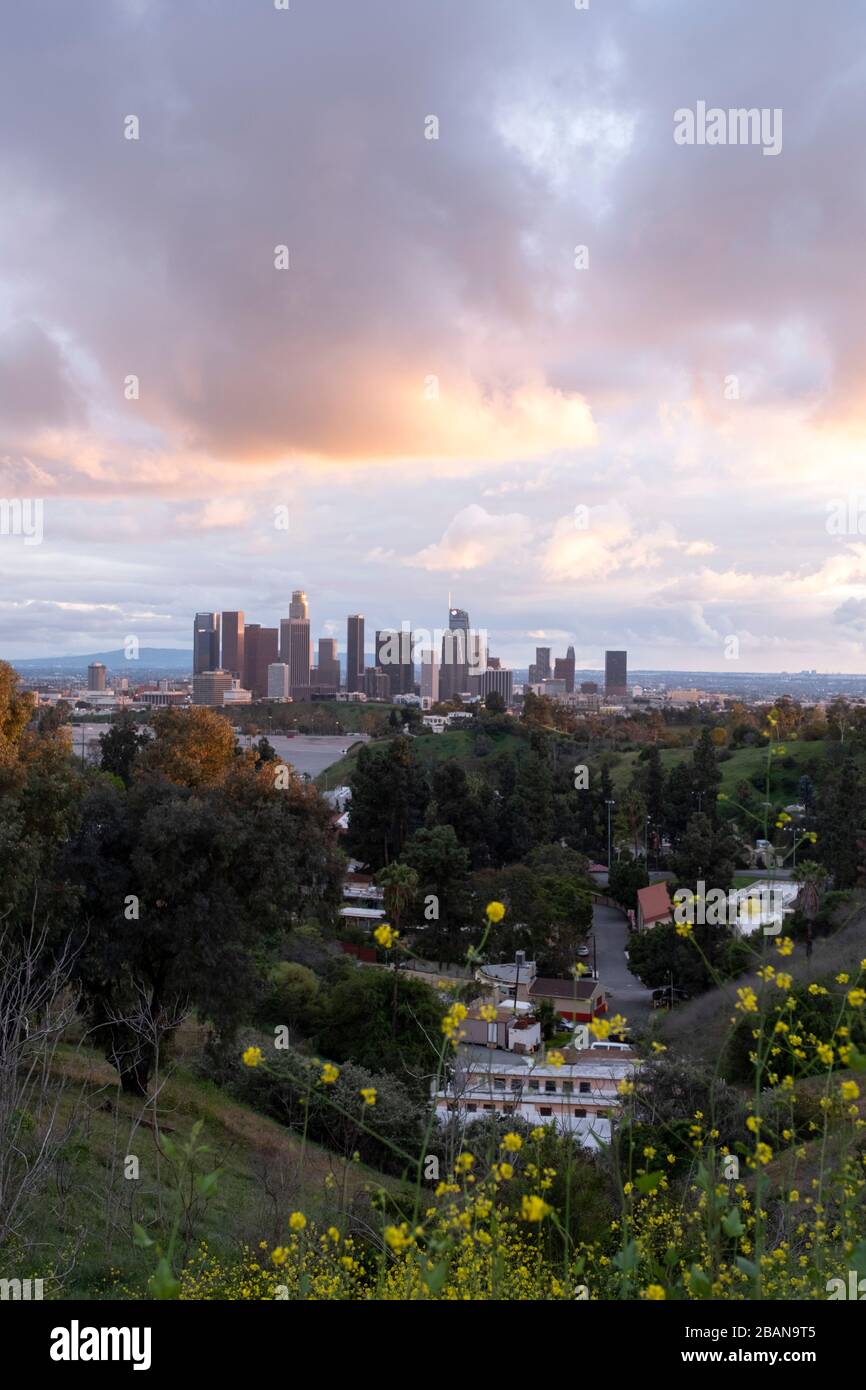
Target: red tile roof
(654, 902)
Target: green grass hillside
(266, 1171)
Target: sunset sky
(695, 395)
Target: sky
(390, 301)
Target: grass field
(430, 749)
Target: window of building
(489, 1107)
(584, 1088)
(515, 1085)
(567, 1087)
(545, 1110)
(508, 1109)
(581, 1114)
(499, 1083)
(472, 1107)
(533, 1085)
(550, 1087)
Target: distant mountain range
(167, 659)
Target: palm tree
(811, 877)
(401, 887)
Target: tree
(400, 883)
(54, 717)
(359, 1025)
(16, 708)
(495, 702)
(706, 776)
(191, 747)
(120, 746)
(456, 802)
(655, 786)
(389, 799)
(181, 892)
(627, 875)
(841, 814)
(705, 852)
(527, 817)
(441, 865)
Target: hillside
(266, 1171)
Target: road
(626, 994)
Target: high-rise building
(278, 681)
(495, 678)
(328, 664)
(295, 651)
(563, 670)
(209, 687)
(395, 655)
(377, 684)
(355, 652)
(206, 642)
(454, 671)
(96, 674)
(260, 652)
(299, 608)
(542, 663)
(430, 678)
(233, 643)
(616, 673)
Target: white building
(581, 1097)
(278, 681)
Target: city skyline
(603, 385)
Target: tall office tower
(355, 652)
(278, 681)
(299, 608)
(328, 665)
(209, 687)
(260, 652)
(206, 642)
(616, 673)
(430, 678)
(233, 643)
(395, 655)
(542, 663)
(96, 674)
(563, 670)
(295, 651)
(454, 671)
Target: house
(513, 978)
(581, 1096)
(764, 905)
(436, 722)
(363, 901)
(653, 906)
(514, 1029)
(579, 1000)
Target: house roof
(654, 902)
(563, 989)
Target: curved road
(626, 994)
